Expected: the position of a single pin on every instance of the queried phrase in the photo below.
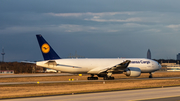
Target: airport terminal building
(178, 56)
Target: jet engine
(133, 72)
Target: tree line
(20, 67)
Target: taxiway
(35, 75)
(14, 83)
(154, 94)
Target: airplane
(102, 67)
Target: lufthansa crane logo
(45, 48)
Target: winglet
(47, 51)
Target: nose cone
(157, 65)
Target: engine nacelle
(133, 72)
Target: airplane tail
(47, 51)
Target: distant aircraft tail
(47, 51)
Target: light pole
(3, 53)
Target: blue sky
(93, 28)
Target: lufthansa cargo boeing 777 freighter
(105, 67)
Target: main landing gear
(105, 77)
(150, 76)
(108, 78)
(92, 77)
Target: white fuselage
(87, 65)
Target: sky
(92, 28)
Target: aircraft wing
(119, 67)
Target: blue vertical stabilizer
(47, 51)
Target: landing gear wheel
(108, 78)
(105, 78)
(92, 78)
(150, 76)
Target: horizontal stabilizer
(51, 63)
(28, 62)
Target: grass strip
(32, 90)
